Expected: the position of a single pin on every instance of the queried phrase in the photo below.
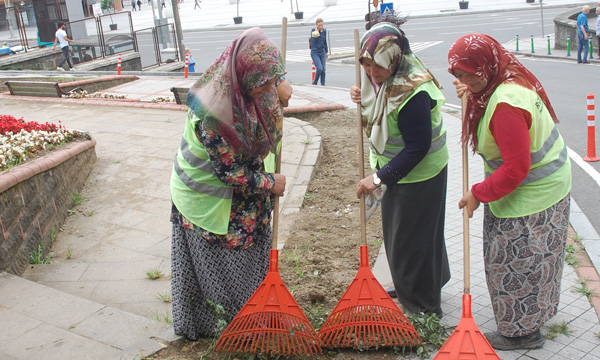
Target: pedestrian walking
(61, 37)
(139, 4)
(511, 124)
(197, 4)
(133, 5)
(598, 28)
(319, 50)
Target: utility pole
(178, 30)
(542, 11)
(8, 18)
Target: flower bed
(41, 166)
(20, 140)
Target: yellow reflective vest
(437, 157)
(549, 177)
(195, 189)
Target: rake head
(366, 316)
(467, 342)
(271, 322)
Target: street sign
(96, 9)
(387, 9)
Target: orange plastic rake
(466, 342)
(366, 316)
(271, 322)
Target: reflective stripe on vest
(536, 157)
(221, 192)
(436, 144)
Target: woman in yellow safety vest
(222, 196)
(511, 124)
(401, 110)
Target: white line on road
(303, 55)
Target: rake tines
(366, 316)
(273, 333)
(368, 326)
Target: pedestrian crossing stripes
(303, 55)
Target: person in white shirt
(61, 37)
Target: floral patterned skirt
(206, 276)
(524, 260)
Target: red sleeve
(510, 128)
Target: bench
(180, 94)
(37, 88)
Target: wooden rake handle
(465, 177)
(278, 155)
(361, 151)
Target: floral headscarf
(387, 46)
(487, 59)
(221, 96)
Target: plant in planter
(238, 18)
(463, 4)
(107, 6)
(298, 14)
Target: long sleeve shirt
(510, 128)
(414, 122)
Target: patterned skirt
(524, 260)
(205, 277)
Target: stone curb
(30, 169)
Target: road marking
(576, 158)
(304, 54)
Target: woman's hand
(365, 186)
(284, 92)
(461, 88)
(279, 187)
(470, 201)
(355, 94)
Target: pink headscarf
(486, 58)
(220, 98)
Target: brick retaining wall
(34, 199)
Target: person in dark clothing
(319, 50)
(401, 109)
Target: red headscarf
(486, 58)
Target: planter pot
(299, 14)
(463, 5)
(530, 1)
(330, 2)
(113, 26)
(237, 20)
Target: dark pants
(598, 37)
(319, 60)
(66, 58)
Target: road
(566, 82)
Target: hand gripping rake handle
(361, 151)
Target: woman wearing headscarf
(222, 196)
(511, 124)
(400, 101)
